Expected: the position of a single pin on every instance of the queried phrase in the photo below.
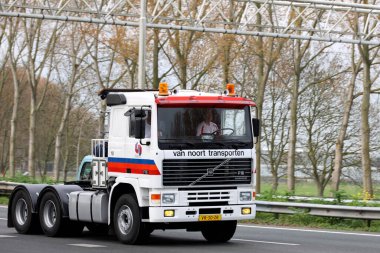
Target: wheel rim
(50, 214)
(125, 219)
(21, 211)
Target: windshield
(204, 128)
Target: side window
(132, 123)
(86, 173)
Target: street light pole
(142, 45)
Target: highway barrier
(7, 187)
(352, 212)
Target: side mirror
(256, 127)
(139, 128)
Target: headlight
(168, 198)
(245, 196)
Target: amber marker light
(155, 198)
(231, 89)
(163, 89)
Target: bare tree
(368, 55)
(348, 101)
(14, 53)
(75, 56)
(319, 116)
(108, 73)
(275, 130)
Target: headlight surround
(168, 198)
(245, 196)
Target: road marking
(5, 207)
(7, 236)
(87, 245)
(279, 243)
(310, 230)
(3, 219)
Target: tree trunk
(12, 138)
(183, 71)
(32, 135)
(259, 105)
(102, 119)
(58, 138)
(337, 170)
(79, 141)
(320, 190)
(65, 162)
(292, 136)
(156, 44)
(274, 182)
(365, 129)
(227, 43)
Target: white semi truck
(173, 159)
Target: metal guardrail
(303, 198)
(7, 187)
(352, 212)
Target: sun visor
(116, 99)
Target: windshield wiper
(221, 144)
(237, 144)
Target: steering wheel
(223, 129)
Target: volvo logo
(210, 172)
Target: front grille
(185, 172)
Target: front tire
(22, 216)
(219, 231)
(127, 220)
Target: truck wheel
(22, 217)
(127, 221)
(51, 215)
(221, 231)
(52, 222)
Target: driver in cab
(207, 126)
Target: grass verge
(4, 200)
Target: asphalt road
(248, 238)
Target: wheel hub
(50, 214)
(125, 219)
(21, 211)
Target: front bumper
(230, 212)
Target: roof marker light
(231, 89)
(163, 89)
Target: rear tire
(51, 220)
(127, 221)
(51, 215)
(23, 219)
(219, 231)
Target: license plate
(210, 217)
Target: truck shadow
(160, 238)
